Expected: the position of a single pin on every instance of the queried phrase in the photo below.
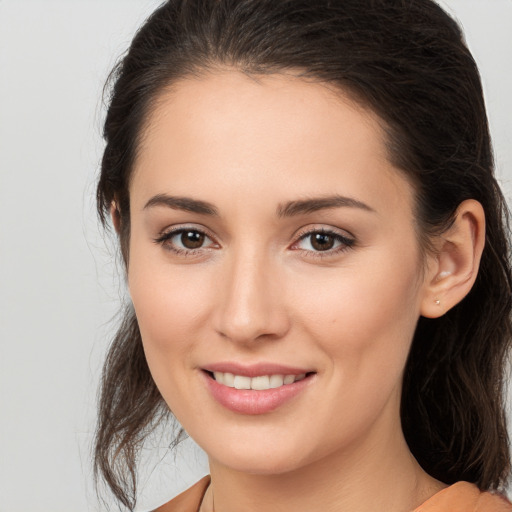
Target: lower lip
(249, 401)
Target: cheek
(363, 321)
(170, 307)
(171, 310)
(365, 315)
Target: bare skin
(246, 281)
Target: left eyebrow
(305, 206)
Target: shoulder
(465, 497)
(189, 500)
(459, 497)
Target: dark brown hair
(407, 61)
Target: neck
(379, 474)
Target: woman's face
(271, 237)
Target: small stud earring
(438, 302)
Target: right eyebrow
(186, 204)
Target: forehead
(262, 137)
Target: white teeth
(276, 381)
(229, 380)
(242, 382)
(259, 383)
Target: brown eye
(185, 240)
(192, 239)
(322, 241)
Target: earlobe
(115, 215)
(453, 269)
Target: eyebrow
(305, 206)
(289, 209)
(182, 203)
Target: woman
(316, 252)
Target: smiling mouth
(258, 383)
(256, 389)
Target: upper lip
(256, 369)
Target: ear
(115, 215)
(452, 270)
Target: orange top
(459, 497)
(465, 497)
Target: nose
(250, 301)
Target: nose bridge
(250, 305)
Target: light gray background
(58, 281)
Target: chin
(268, 464)
(262, 458)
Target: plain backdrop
(59, 284)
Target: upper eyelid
(324, 229)
(184, 227)
(343, 240)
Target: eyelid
(346, 239)
(167, 233)
(330, 230)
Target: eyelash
(346, 243)
(164, 240)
